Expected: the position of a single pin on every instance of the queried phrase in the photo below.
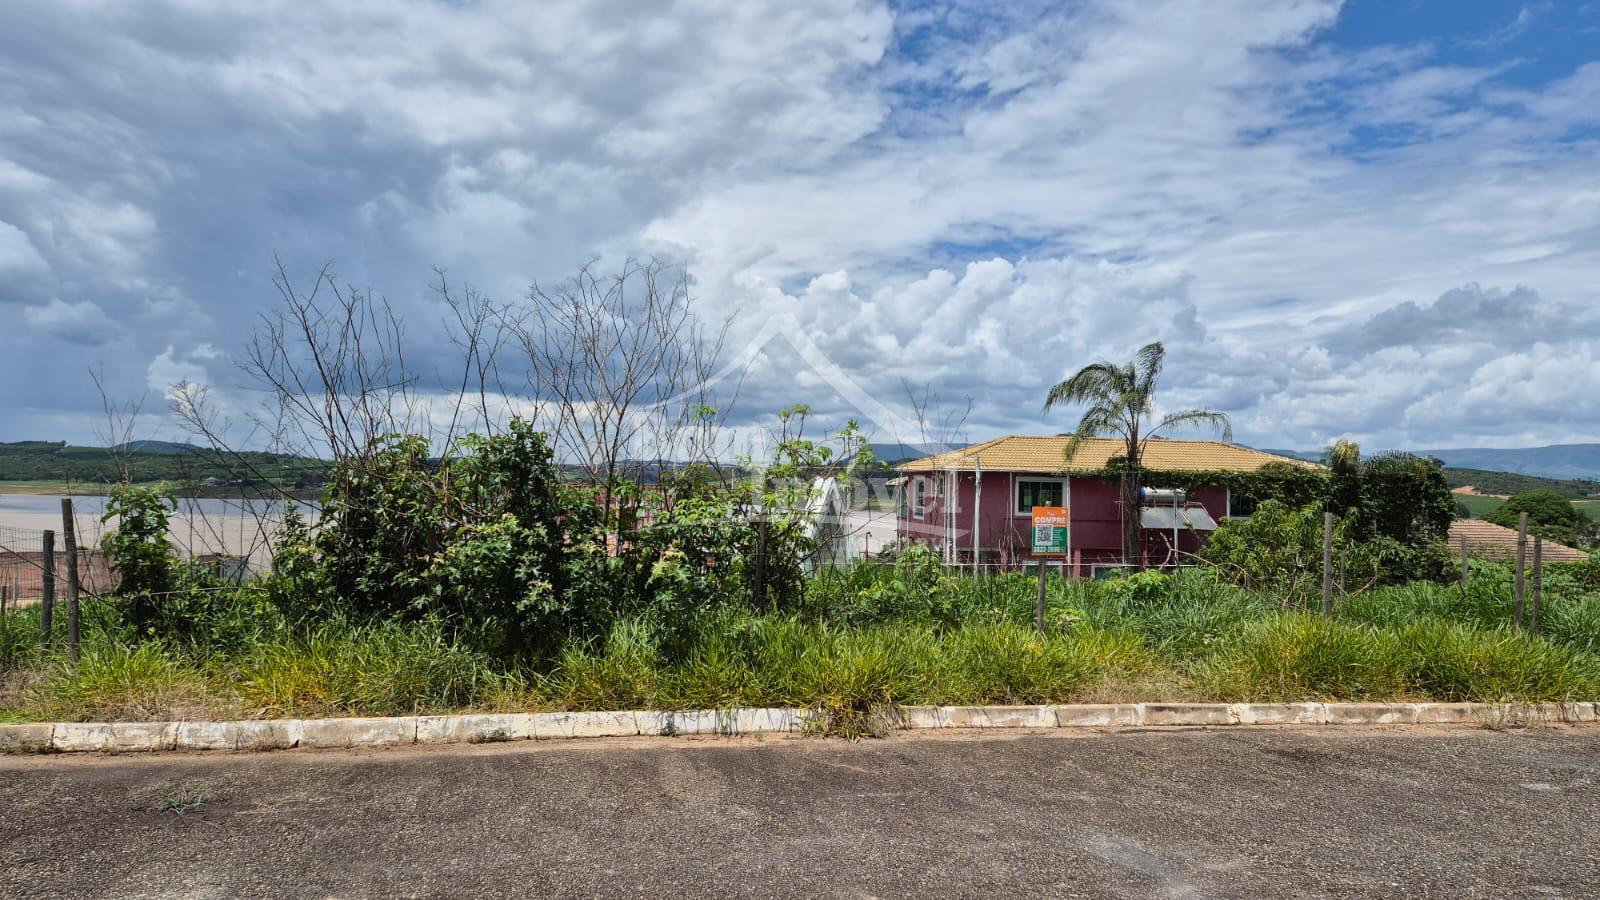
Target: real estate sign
(1050, 530)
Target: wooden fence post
(47, 588)
(1519, 587)
(1327, 565)
(1538, 585)
(69, 538)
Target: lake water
(205, 525)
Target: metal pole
(47, 588)
(1519, 588)
(977, 506)
(1538, 584)
(1174, 528)
(1327, 565)
(69, 537)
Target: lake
(204, 525)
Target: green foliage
(1550, 516)
(861, 644)
(1118, 401)
(153, 461)
(490, 541)
(117, 680)
(1300, 657)
(1404, 498)
(386, 669)
(1509, 483)
(1279, 550)
(143, 557)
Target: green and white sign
(1050, 530)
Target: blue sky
(1376, 220)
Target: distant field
(52, 487)
(1479, 505)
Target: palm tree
(1118, 398)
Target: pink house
(975, 503)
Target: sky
(1378, 220)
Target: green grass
(866, 639)
(1478, 504)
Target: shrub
(143, 557)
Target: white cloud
(977, 197)
(83, 322)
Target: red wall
(1004, 537)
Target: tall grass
(376, 669)
(115, 681)
(865, 638)
(788, 661)
(1300, 657)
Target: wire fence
(23, 567)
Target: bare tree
(121, 424)
(333, 362)
(937, 424)
(622, 369)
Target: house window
(1033, 492)
(1240, 506)
(919, 497)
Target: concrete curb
(282, 734)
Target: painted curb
(283, 734)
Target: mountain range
(1552, 461)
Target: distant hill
(1554, 461)
(1563, 462)
(152, 461)
(1307, 455)
(1509, 483)
(154, 447)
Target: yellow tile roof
(1028, 453)
(1492, 541)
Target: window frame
(1016, 493)
(917, 502)
(1237, 502)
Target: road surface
(1225, 813)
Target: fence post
(1519, 586)
(47, 588)
(1538, 585)
(1327, 565)
(1038, 605)
(69, 538)
(1466, 565)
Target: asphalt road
(1225, 813)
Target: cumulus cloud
(80, 323)
(1333, 240)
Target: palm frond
(1196, 418)
(1092, 383)
(1149, 362)
(1098, 421)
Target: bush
(142, 555)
